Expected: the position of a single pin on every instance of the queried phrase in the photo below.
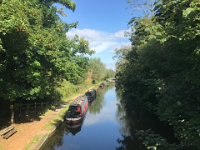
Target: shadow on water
(57, 139)
(98, 104)
(141, 121)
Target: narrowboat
(77, 110)
(102, 85)
(91, 95)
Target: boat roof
(78, 101)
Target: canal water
(108, 127)
(102, 128)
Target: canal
(102, 128)
(107, 127)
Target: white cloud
(101, 41)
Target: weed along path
(31, 135)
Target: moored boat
(77, 110)
(91, 95)
(102, 85)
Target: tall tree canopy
(35, 53)
(162, 71)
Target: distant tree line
(99, 71)
(161, 71)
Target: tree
(99, 70)
(34, 51)
(160, 71)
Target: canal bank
(31, 135)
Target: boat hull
(74, 121)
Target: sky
(102, 23)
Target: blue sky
(102, 23)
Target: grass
(1, 147)
(36, 141)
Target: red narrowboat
(77, 110)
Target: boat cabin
(74, 111)
(77, 110)
(91, 95)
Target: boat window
(73, 108)
(78, 109)
(88, 94)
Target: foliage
(66, 88)
(144, 7)
(99, 70)
(161, 70)
(35, 54)
(154, 141)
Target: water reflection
(107, 125)
(74, 129)
(57, 138)
(108, 111)
(136, 119)
(128, 139)
(98, 104)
